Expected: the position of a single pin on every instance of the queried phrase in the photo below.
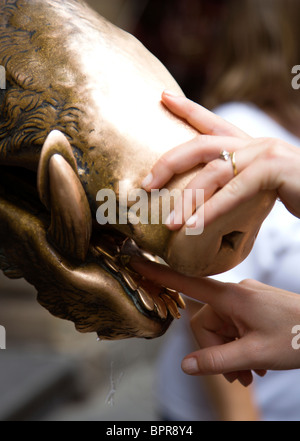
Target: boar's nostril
(231, 240)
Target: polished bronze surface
(82, 112)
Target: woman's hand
(242, 327)
(262, 164)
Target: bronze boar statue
(81, 112)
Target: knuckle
(212, 361)
(246, 282)
(257, 348)
(191, 111)
(215, 124)
(213, 167)
(245, 288)
(202, 139)
(166, 162)
(233, 187)
(273, 148)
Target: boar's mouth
(109, 249)
(113, 251)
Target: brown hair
(257, 46)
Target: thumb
(220, 359)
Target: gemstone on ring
(224, 155)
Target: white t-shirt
(274, 260)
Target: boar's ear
(56, 142)
(62, 193)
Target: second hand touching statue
(81, 112)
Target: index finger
(203, 120)
(202, 289)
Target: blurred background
(49, 371)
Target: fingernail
(231, 377)
(170, 93)
(190, 366)
(192, 221)
(147, 181)
(170, 218)
(245, 379)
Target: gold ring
(232, 157)
(225, 156)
